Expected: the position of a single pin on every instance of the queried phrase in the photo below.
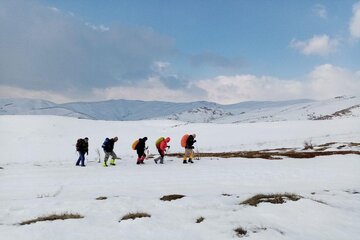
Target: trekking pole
(197, 153)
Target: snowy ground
(38, 178)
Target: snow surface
(38, 177)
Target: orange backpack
(184, 139)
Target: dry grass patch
(53, 217)
(308, 145)
(272, 154)
(171, 197)
(134, 216)
(352, 144)
(200, 219)
(352, 191)
(101, 198)
(226, 195)
(240, 232)
(271, 198)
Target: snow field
(39, 178)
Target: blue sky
(222, 51)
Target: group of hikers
(187, 142)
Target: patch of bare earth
(101, 198)
(280, 153)
(135, 215)
(171, 197)
(271, 198)
(53, 217)
(240, 232)
(343, 112)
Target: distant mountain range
(202, 111)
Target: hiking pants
(189, 153)
(161, 157)
(81, 159)
(107, 154)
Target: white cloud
(355, 21)
(233, 89)
(318, 45)
(320, 11)
(160, 66)
(54, 9)
(151, 90)
(100, 27)
(325, 81)
(16, 92)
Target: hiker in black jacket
(189, 152)
(82, 146)
(108, 147)
(140, 149)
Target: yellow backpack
(133, 146)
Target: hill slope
(126, 110)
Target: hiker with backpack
(161, 145)
(82, 146)
(188, 141)
(108, 147)
(139, 146)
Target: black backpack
(79, 144)
(105, 145)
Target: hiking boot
(137, 162)
(184, 162)
(105, 165)
(112, 162)
(190, 161)
(142, 162)
(155, 160)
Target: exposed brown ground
(53, 217)
(280, 153)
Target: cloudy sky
(222, 51)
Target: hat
(115, 138)
(194, 135)
(167, 139)
(145, 138)
(86, 138)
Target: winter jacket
(190, 142)
(140, 147)
(163, 144)
(82, 146)
(109, 146)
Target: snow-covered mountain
(202, 111)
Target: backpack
(106, 143)
(160, 139)
(133, 146)
(79, 144)
(184, 139)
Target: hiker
(140, 149)
(82, 146)
(189, 152)
(161, 146)
(108, 147)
